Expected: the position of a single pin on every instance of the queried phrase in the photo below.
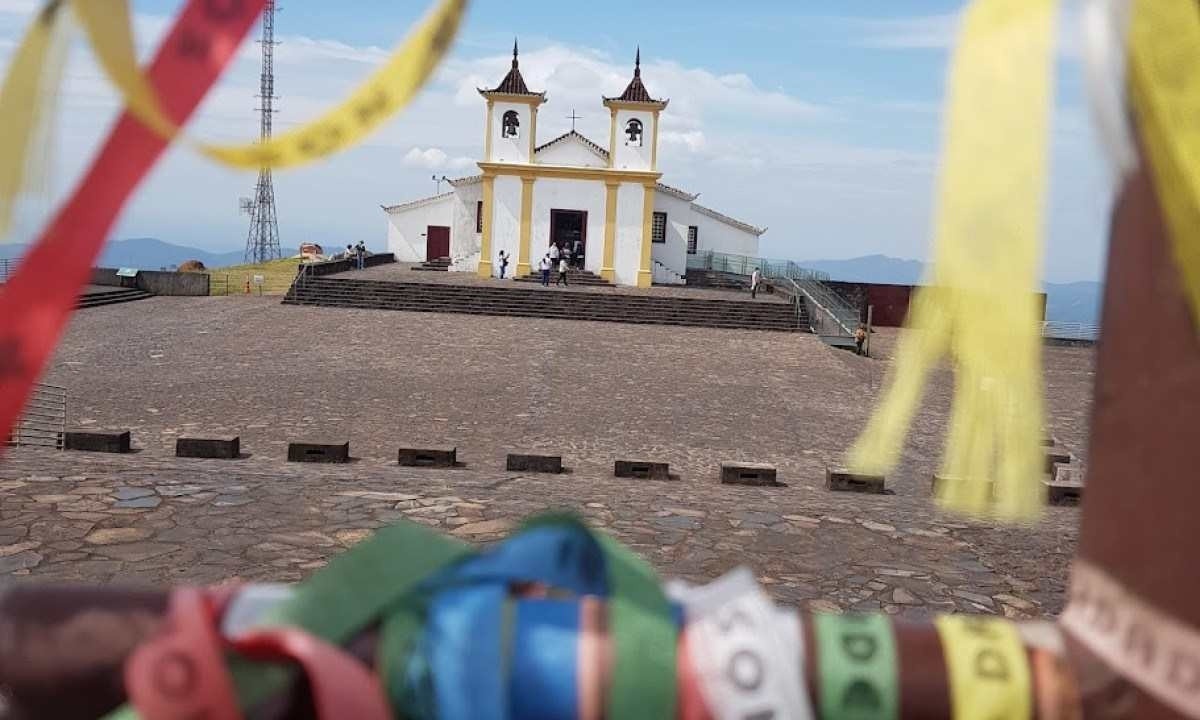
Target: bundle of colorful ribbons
(558, 622)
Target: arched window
(512, 125)
(633, 130)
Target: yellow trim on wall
(612, 138)
(485, 240)
(654, 148)
(654, 106)
(533, 100)
(610, 231)
(568, 172)
(532, 132)
(487, 133)
(523, 244)
(645, 276)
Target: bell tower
(512, 109)
(633, 135)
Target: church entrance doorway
(437, 242)
(568, 230)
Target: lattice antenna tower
(262, 242)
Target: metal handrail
(1070, 330)
(827, 303)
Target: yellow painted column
(485, 240)
(610, 231)
(532, 131)
(612, 138)
(645, 275)
(654, 147)
(487, 134)
(526, 226)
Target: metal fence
(1082, 332)
(745, 265)
(243, 284)
(44, 420)
(829, 313)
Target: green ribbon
(376, 580)
(857, 667)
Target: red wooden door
(437, 242)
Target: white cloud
(920, 32)
(940, 31)
(693, 140)
(18, 7)
(435, 159)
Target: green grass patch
(277, 278)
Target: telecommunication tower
(262, 242)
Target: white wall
(560, 194)
(511, 150)
(406, 228)
(634, 157)
(673, 254)
(721, 237)
(628, 253)
(464, 241)
(506, 219)
(570, 152)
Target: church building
(604, 202)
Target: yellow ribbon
(988, 669)
(981, 307)
(1164, 84)
(27, 101)
(107, 26)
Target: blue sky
(818, 120)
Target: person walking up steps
(755, 279)
(562, 272)
(544, 266)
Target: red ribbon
(37, 301)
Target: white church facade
(607, 202)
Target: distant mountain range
(1065, 302)
(147, 254)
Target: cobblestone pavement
(131, 519)
(593, 392)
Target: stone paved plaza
(592, 392)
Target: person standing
(562, 272)
(544, 266)
(577, 252)
(555, 252)
(360, 254)
(503, 263)
(860, 337)
(755, 279)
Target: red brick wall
(890, 301)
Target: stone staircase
(575, 276)
(542, 303)
(110, 296)
(441, 264)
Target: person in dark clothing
(360, 254)
(503, 263)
